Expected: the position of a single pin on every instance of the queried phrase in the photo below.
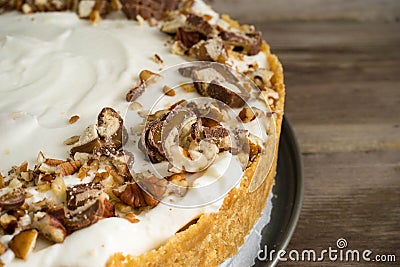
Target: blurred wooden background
(342, 72)
(289, 10)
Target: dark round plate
(288, 196)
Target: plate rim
(289, 135)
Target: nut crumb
(247, 115)
(72, 140)
(95, 17)
(168, 91)
(73, 119)
(148, 76)
(157, 59)
(140, 20)
(135, 106)
(188, 87)
(132, 218)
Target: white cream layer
(54, 66)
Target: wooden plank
(343, 100)
(305, 10)
(353, 196)
(342, 83)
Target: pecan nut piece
(133, 194)
(68, 167)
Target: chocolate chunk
(187, 38)
(13, 199)
(198, 24)
(47, 5)
(87, 147)
(211, 50)
(80, 194)
(215, 133)
(247, 43)
(150, 141)
(135, 92)
(218, 82)
(148, 8)
(110, 128)
(197, 131)
(226, 95)
(85, 217)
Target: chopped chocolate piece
(80, 194)
(47, 5)
(135, 92)
(211, 50)
(148, 9)
(150, 141)
(13, 199)
(247, 115)
(88, 141)
(187, 71)
(6, 5)
(49, 226)
(215, 133)
(198, 24)
(218, 83)
(87, 147)
(248, 43)
(110, 127)
(197, 130)
(85, 217)
(187, 38)
(172, 26)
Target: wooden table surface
(343, 99)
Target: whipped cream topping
(54, 66)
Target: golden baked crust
(217, 236)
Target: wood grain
(306, 10)
(343, 99)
